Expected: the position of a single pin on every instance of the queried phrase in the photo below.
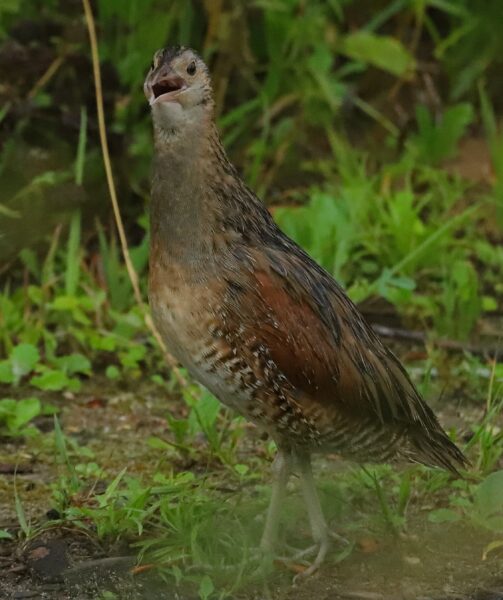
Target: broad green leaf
(74, 363)
(26, 410)
(6, 375)
(23, 359)
(488, 501)
(489, 303)
(112, 372)
(443, 515)
(51, 380)
(7, 408)
(384, 52)
(206, 588)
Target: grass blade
(81, 147)
(63, 452)
(72, 272)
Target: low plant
(15, 416)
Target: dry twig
(419, 337)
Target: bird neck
(188, 177)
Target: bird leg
(320, 531)
(281, 469)
(322, 536)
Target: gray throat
(182, 217)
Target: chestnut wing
(319, 341)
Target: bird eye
(191, 69)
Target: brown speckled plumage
(252, 316)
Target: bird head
(178, 88)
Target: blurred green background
(370, 129)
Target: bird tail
(435, 449)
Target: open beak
(165, 86)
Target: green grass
(203, 523)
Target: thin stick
(490, 351)
(133, 276)
(47, 76)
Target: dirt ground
(443, 564)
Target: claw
(314, 566)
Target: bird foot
(298, 554)
(319, 550)
(323, 547)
